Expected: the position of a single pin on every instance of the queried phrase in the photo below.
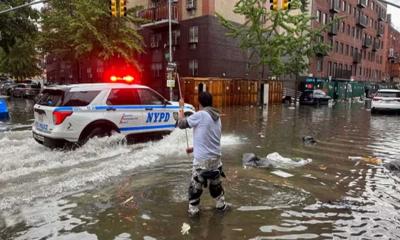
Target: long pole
(170, 40)
(22, 6)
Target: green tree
(84, 29)
(21, 61)
(283, 40)
(18, 46)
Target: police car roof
(94, 86)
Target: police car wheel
(97, 132)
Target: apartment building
(358, 42)
(200, 45)
(393, 53)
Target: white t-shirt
(206, 136)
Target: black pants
(205, 178)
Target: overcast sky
(395, 14)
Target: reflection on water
(109, 190)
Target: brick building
(393, 53)
(358, 42)
(200, 45)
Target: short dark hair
(205, 99)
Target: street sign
(171, 83)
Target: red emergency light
(121, 73)
(127, 78)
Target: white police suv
(75, 113)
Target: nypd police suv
(75, 113)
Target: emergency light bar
(127, 78)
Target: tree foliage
(77, 29)
(283, 40)
(18, 40)
(21, 61)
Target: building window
(324, 18)
(319, 65)
(155, 40)
(352, 51)
(194, 67)
(330, 68)
(191, 5)
(343, 6)
(341, 48)
(156, 69)
(349, 8)
(334, 69)
(336, 46)
(176, 36)
(194, 34)
(347, 49)
(318, 19)
(343, 27)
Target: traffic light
(286, 4)
(113, 8)
(122, 8)
(273, 5)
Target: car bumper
(51, 142)
(385, 106)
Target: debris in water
(369, 159)
(127, 200)
(185, 228)
(323, 167)
(237, 229)
(309, 176)
(145, 217)
(258, 146)
(308, 140)
(282, 174)
(273, 160)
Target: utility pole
(171, 67)
(22, 6)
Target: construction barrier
(229, 92)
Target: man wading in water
(207, 164)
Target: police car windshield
(59, 98)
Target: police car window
(123, 97)
(148, 97)
(57, 98)
(79, 99)
(51, 98)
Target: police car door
(123, 107)
(158, 113)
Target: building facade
(358, 43)
(200, 45)
(393, 53)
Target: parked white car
(386, 99)
(75, 113)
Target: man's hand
(189, 150)
(181, 103)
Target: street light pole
(170, 41)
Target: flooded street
(110, 190)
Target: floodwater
(109, 190)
